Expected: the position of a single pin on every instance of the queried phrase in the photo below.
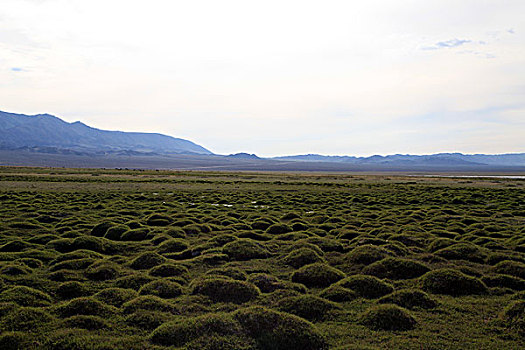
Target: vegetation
(129, 259)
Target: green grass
(125, 259)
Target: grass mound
(410, 299)
(338, 293)
(147, 260)
(159, 220)
(310, 307)
(317, 275)
(25, 296)
(504, 281)
(514, 316)
(147, 320)
(102, 271)
(273, 330)
(451, 282)
(74, 264)
(148, 303)
(515, 311)
(367, 254)
(84, 306)
(72, 289)
(161, 288)
(26, 319)
(462, 251)
(86, 322)
(95, 244)
(78, 254)
(100, 230)
(245, 249)
(15, 246)
(396, 268)
(65, 275)
(233, 272)
(81, 339)
(115, 296)
(181, 332)
(136, 235)
(175, 232)
(225, 290)
(387, 318)
(509, 267)
(115, 233)
(223, 342)
(326, 244)
(15, 270)
(169, 270)
(173, 245)
(134, 281)
(14, 340)
(369, 287)
(277, 229)
(30, 262)
(265, 282)
(302, 256)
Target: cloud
(452, 43)
(447, 44)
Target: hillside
(48, 131)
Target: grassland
(122, 259)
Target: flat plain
(130, 259)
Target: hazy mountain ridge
(44, 130)
(512, 159)
(46, 140)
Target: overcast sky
(276, 77)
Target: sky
(276, 77)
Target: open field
(72, 159)
(123, 259)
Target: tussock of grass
(187, 329)
(147, 261)
(25, 296)
(309, 307)
(367, 254)
(452, 282)
(233, 272)
(387, 318)
(245, 249)
(161, 288)
(410, 299)
(115, 296)
(225, 290)
(302, 256)
(277, 330)
(148, 303)
(338, 293)
(84, 306)
(317, 275)
(396, 268)
(369, 287)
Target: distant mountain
(45, 140)
(47, 133)
(243, 155)
(439, 159)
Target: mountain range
(45, 140)
(510, 159)
(48, 131)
